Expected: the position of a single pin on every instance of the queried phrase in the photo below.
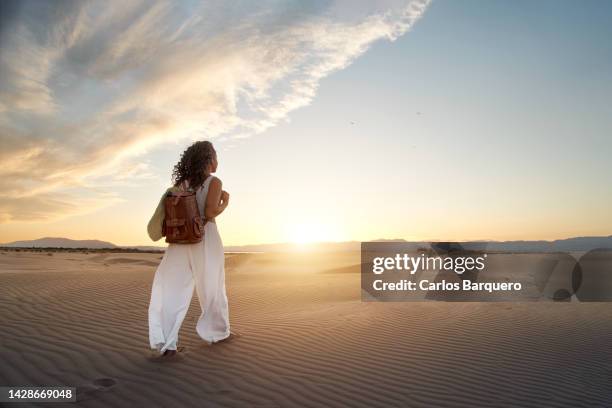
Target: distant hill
(56, 242)
(53, 242)
(560, 245)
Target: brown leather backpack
(182, 221)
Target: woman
(184, 265)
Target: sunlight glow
(309, 232)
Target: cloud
(86, 88)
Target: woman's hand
(224, 197)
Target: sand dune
(306, 340)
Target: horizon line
(305, 244)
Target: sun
(308, 232)
(304, 233)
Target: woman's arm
(216, 200)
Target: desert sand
(306, 339)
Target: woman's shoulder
(214, 179)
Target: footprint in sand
(104, 382)
(84, 392)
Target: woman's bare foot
(231, 337)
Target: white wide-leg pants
(182, 267)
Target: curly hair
(193, 163)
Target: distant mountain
(56, 242)
(560, 245)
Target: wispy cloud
(87, 87)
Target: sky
(333, 121)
